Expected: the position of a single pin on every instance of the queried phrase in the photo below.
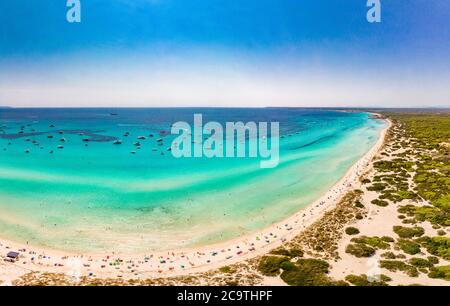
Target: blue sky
(224, 53)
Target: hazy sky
(225, 53)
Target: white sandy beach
(182, 262)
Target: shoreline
(190, 260)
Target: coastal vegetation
(365, 281)
(408, 246)
(360, 250)
(308, 272)
(442, 272)
(287, 252)
(351, 230)
(302, 272)
(438, 246)
(271, 265)
(408, 232)
(321, 239)
(413, 172)
(397, 265)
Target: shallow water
(94, 196)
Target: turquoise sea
(91, 195)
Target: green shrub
(433, 259)
(377, 187)
(364, 281)
(408, 246)
(308, 272)
(379, 202)
(351, 231)
(391, 255)
(408, 232)
(420, 262)
(432, 214)
(442, 272)
(396, 265)
(438, 246)
(289, 253)
(226, 269)
(316, 265)
(360, 250)
(358, 204)
(388, 255)
(441, 232)
(287, 266)
(270, 265)
(387, 239)
(374, 241)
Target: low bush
(442, 272)
(377, 187)
(271, 265)
(387, 239)
(396, 265)
(351, 231)
(360, 250)
(438, 246)
(374, 241)
(408, 232)
(226, 269)
(308, 272)
(379, 202)
(364, 281)
(433, 259)
(289, 253)
(408, 246)
(359, 204)
(432, 214)
(420, 262)
(391, 255)
(441, 232)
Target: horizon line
(218, 107)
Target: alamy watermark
(374, 12)
(373, 270)
(240, 140)
(73, 14)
